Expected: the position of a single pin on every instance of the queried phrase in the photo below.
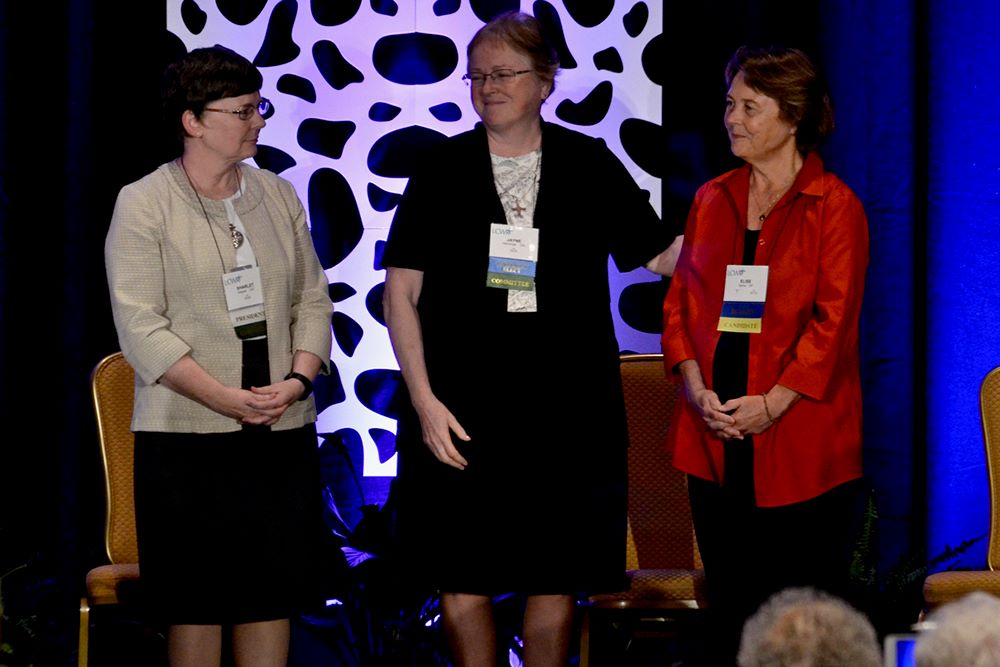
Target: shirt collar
(809, 180)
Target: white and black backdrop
(358, 88)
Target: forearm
(305, 367)
(189, 379)
(779, 400)
(407, 342)
(306, 363)
(691, 374)
(664, 263)
(403, 321)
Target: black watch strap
(306, 382)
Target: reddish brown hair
(789, 77)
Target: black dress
(541, 506)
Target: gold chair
(943, 587)
(664, 567)
(115, 583)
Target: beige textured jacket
(165, 277)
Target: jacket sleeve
(640, 235)
(676, 344)
(833, 329)
(311, 308)
(134, 262)
(408, 244)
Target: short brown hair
(790, 78)
(202, 77)
(523, 33)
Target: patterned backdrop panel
(358, 87)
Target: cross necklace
(517, 208)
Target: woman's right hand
(437, 424)
(244, 406)
(707, 403)
(189, 379)
(399, 301)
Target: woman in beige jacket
(222, 309)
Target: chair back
(112, 387)
(989, 408)
(661, 535)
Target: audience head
(802, 627)
(965, 632)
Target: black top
(730, 368)
(731, 362)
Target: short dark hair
(203, 76)
(523, 33)
(790, 78)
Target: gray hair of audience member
(965, 632)
(803, 627)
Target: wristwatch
(306, 382)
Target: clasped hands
(264, 405)
(734, 419)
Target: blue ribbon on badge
(512, 267)
(743, 309)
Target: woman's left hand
(270, 402)
(755, 414)
(749, 413)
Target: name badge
(245, 301)
(513, 257)
(743, 299)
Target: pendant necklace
(766, 211)
(234, 234)
(518, 208)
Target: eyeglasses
(500, 76)
(246, 112)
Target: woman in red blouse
(761, 324)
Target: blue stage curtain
(79, 117)
(917, 138)
(870, 54)
(41, 284)
(963, 254)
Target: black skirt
(229, 524)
